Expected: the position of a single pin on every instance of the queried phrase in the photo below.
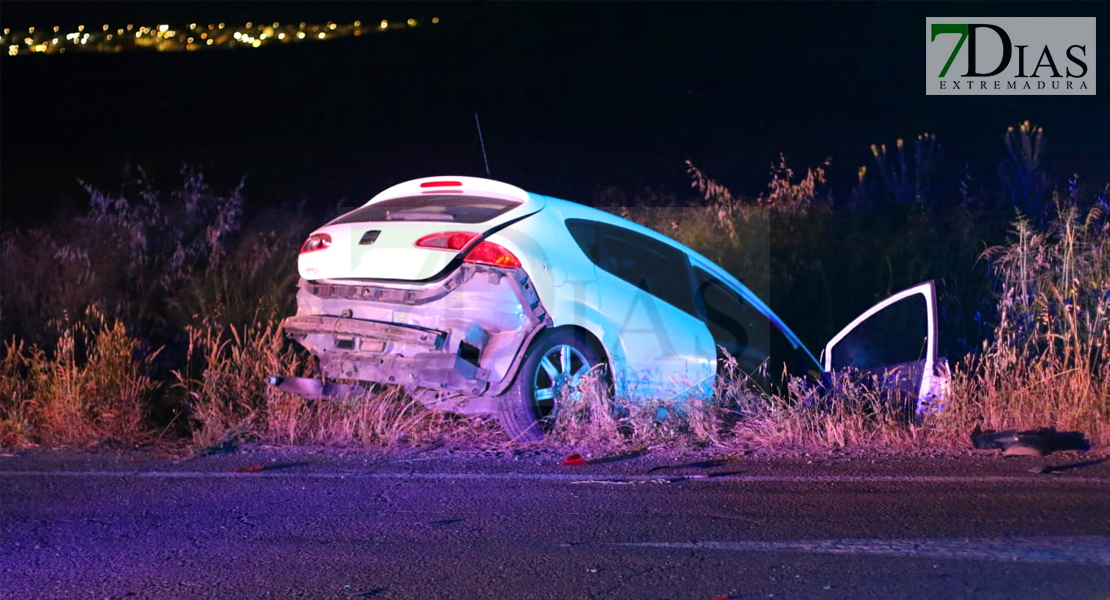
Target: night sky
(572, 97)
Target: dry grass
(93, 387)
(854, 413)
(1046, 362)
(17, 394)
(230, 402)
(224, 380)
(385, 417)
(1047, 365)
(1049, 362)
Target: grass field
(164, 312)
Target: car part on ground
(1034, 442)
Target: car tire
(527, 409)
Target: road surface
(304, 524)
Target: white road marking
(1079, 550)
(285, 473)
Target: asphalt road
(324, 525)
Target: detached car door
(896, 340)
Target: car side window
(653, 266)
(736, 325)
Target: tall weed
(92, 387)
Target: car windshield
(433, 207)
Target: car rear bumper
(461, 337)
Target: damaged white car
(481, 298)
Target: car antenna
(478, 124)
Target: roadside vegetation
(154, 316)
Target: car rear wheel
(552, 372)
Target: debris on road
(575, 460)
(619, 481)
(445, 522)
(277, 466)
(227, 445)
(1034, 442)
(701, 464)
(636, 453)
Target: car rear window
(448, 208)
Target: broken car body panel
(457, 336)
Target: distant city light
(163, 37)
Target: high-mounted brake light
(438, 184)
(485, 253)
(316, 241)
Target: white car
(481, 298)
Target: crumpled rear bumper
(433, 368)
(461, 336)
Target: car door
(645, 289)
(897, 341)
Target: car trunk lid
(382, 240)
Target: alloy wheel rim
(557, 375)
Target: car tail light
(316, 241)
(485, 253)
(489, 253)
(448, 240)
